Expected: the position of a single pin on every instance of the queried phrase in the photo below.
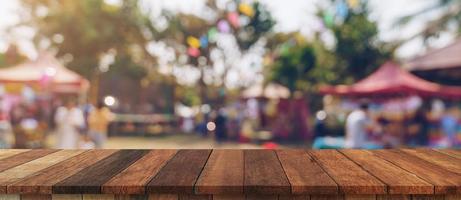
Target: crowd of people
(27, 124)
(420, 127)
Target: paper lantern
(233, 18)
(193, 42)
(204, 41)
(194, 52)
(353, 3)
(223, 26)
(212, 34)
(246, 9)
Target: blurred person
(17, 115)
(221, 128)
(357, 124)
(98, 122)
(69, 121)
(418, 127)
(449, 126)
(86, 142)
(5, 130)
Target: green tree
(358, 50)
(83, 31)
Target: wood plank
(393, 197)
(427, 197)
(229, 197)
(194, 197)
(130, 197)
(10, 197)
(444, 181)
(452, 152)
(17, 173)
(133, 179)
(326, 197)
(445, 161)
(453, 197)
(66, 197)
(98, 197)
(5, 153)
(24, 157)
(293, 197)
(261, 197)
(223, 173)
(163, 197)
(36, 197)
(398, 180)
(90, 180)
(304, 174)
(180, 173)
(42, 182)
(350, 177)
(359, 197)
(264, 173)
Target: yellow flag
(193, 42)
(246, 9)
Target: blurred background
(230, 74)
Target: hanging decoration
(212, 34)
(246, 9)
(353, 3)
(342, 9)
(193, 42)
(194, 52)
(204, 41)
(233, 18)
(223, 26)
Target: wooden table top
(281, 172)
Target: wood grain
(452, 152)
(90, 180)
(304, 174)
(42, 182)
(326, 197)
(398, 180)
(163, 197)
(133, 179)
(264, 173)
(36, 197)
(443, 180)
(223, 173)
(180, 174)
(17, 173)
(24, 157)
(350, 177)
(5, 153)
(66, 197)
(393, 197)
(445, 161)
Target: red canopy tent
(45, 71)
(391, 80)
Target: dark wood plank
(17, 173)
(229, 197)
(264, 173)
(304, 174)
(350, 177)
(130, 197)
(133, 179)
(326, 197)
(445, 161)
(444, 181)
(5, 153)
(399, 181)
(451, 152)
(393, 197)
(359, 197)
(223, 173)
(180, 173)
(428, 197)
(36, 197)
(42, 182)
(90, 180)
(261, 197)
(293, 197)
(194, 197)
(24, 157)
